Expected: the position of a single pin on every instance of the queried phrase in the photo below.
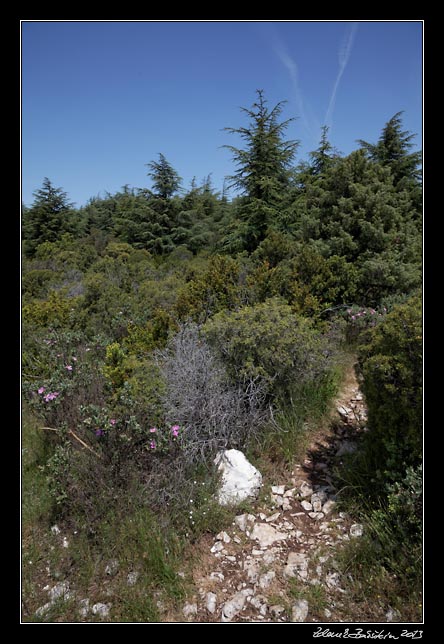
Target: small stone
(242, 521)
(306, 489)
(189, 610)
(132, 577)
(262, 516)
(230, 558)
(223, 536)
(299, 611)
(211, 600)
(278, 489)
(60, 591)
(328, 506)
(327, 613)
(55, 529)
(257, 553)
(217, 547)
(307, 506)
(392, 615)
(236, 539)
(217, 576)
(273, 517)
(266, 534)
(65, 543)
(234, 606)
(84, 607)
(112, 568)
(317, 499)
(332, 579)
(266, 579)
(297, 565)
(100, 609)
(356, 530)
(289, 494)
(276, 610)
(43, 609)
(343, 411)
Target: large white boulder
(240, 480)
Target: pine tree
(166, 180)
(323, 157)
(392, 150)
(50, 215)
(263, 172)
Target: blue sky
(102, 99)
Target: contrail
(343, 58)
(293, 71)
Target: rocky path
(278, 564)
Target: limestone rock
(100, 609)
(356, 530)
(234, 605)
(307, 506)
(189, 610)
(266, 579)
(132, 578)
(297, 565)
(240, 479)
(223, 536)
(266, 534)
(112, 568)
(299, 611)
(60, 591)
(84, 607)
(278, 489)
(243, 520)
(306, 489)
(328, 506)
(211, 599)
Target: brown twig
(52, 429)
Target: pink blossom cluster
(51, 395)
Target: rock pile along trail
(278, 564)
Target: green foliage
(391, 366)
(268, 341)
(165, 179)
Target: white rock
(278, 489)
(217, 547)
(55, 529)
(328, 506)
(60, 591)
(219, 576)
(242, 521)
(100, 609)
(252, 568)
(299, 611)
(290, 493)
(266, 534)
(266, 579)
(269, 557)
(223, 536)
(392, 615)
(132, 577)
(189, 610)
(297, 565)
(240, 479)
(356, 530)
(65, 543)
(211, 600)
(306, 489)
(307, 506)
(84, 607)
(236, 539)
(112, 568)
(234, 606)
(327, 613)
(273, 517)
(332, 579)
(43, 609)
(317, 499)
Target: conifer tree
(166, 180)
(263, 168)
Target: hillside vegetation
(162, 325)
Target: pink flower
(175, 430)
(153, 430)
(100, 432)
(40, 390)
(353, 317)
(113, 421)
(68, 367)
(153, 444)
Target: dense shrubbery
(161, 327)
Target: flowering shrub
(359, 319)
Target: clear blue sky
(102, 99)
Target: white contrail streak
(343, 58)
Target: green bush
(391, 367)
(270, 342)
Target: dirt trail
(278, 564)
